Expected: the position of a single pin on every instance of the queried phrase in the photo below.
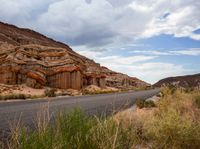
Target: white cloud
(113, 60)
(151, 52)
(191, 52)
(188, 52)
(22, 12)
(138, 66)
(152, 72)
(91, 54)
(101, 22)
(181, 21)
(149, 71)
(120, 60)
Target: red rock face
(31, 58)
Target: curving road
(27, 111)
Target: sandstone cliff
(27, 57)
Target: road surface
(27, 111)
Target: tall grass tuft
(76, 131)
(197, 101)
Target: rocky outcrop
(189, 81)
(27, 57)
(119, 80)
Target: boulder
(30, 82)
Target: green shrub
(160, 95)
(36, 96)
(141, 103)
(189, 90)
(12, 96)
(98, 92)
(172, 88)
(50, 92)
(2, 97)
(149, 104)
(197, 101)
(168, 90)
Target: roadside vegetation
(53, 92)
(141, 103)
(12, 96)
(172, 122)
(103, 91)
(99, 92)
(19, 96)
(50, 92)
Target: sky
(150, 39)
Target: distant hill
(183, 81)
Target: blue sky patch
(197, 31)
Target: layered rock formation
(189, 81)
(27, 57)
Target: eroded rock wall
(66, 80)
(27, 57)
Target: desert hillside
(183, 81)
(27, 57)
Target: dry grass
(174, 123)
(12, 96)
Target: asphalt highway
(26, 112)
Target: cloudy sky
(148, 39)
